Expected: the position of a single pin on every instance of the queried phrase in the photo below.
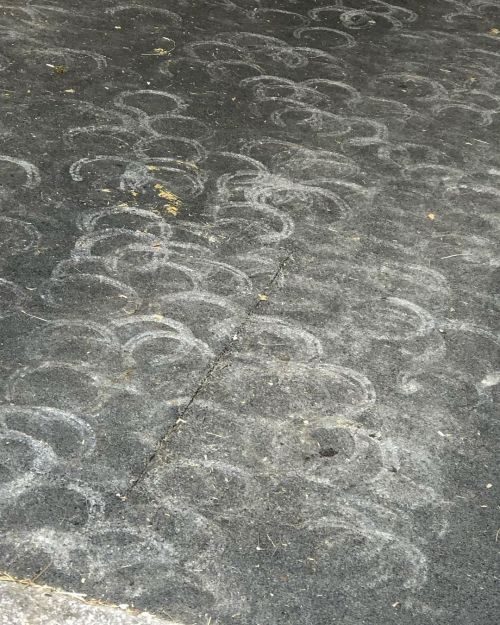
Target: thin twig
(45, 568)
(34, 316)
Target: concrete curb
(30, 604)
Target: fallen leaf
(174, 202)
(346, 423)
(431, 216)
(173, 210)
(168, 195)
(187, 164)
(494, 31)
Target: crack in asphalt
(224, 353)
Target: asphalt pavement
(249, 312)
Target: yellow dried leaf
(346, 423)
(187, 164)
(168, 195)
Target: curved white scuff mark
(47, 414)
(99, 59)
(151, 10)
(302, 33)
(32, 172)
(119, 101)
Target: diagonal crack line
(225, 352)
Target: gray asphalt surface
(249, 314)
